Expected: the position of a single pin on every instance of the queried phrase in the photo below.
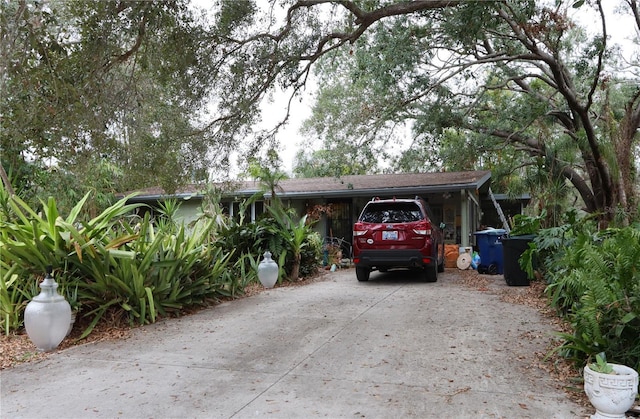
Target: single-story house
(458, 199)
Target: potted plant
(611, 388)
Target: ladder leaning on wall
(505, 224)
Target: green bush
(31, 241)
(153, 274)
(289, 239)
(594, 283)
(15, 294)
(134, 269)
(247, 243)
(113, 263)
(311, 254)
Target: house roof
(345, 186)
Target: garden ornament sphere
(268, 271)
(47, 316)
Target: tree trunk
(623, 144)
(295, 269)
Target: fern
(596, 286)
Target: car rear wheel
(362, 274)
(431, 273)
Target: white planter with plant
(611, 388)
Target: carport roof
(345, 186)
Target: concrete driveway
(390, 347)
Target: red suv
(397, 233)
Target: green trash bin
(512, 248)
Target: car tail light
(359, 230)
(424, 229)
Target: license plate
(389, 235)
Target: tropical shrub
(522, 224)
(548, 249)
(37, 240)
(153, 275)
(113, 263)
(31, 241)
(291, 241)
(14, 296)
(594, 283)
(134, 269)
(310, 254)
(247, 242)
(294, 232)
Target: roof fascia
(164, 197)
(413, 190)
(484, 179)
(505, 197)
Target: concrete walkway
(393, 347)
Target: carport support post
(464, 219)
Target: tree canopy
(102, 84)
(157, 92)
(516, 87)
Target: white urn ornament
(47, 316)
(612, 392)
(268, 271)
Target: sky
(289, 138)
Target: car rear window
(392, 212)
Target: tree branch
(119, 59)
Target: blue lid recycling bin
(490, 247)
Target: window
(392, 213)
